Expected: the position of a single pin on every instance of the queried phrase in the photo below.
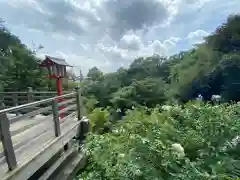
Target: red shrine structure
(57, 69)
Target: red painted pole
(59, 93)
(59, 87)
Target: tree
(226, 37)
(94, 74)
(18, 65)
(181, 77)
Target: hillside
(209, 68)
(188, 141)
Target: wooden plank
(26, 122)
(8, 100)
(24, 142)
(26, 170)
(22, 101)
(13, 92)
(29, 125)
(8, 96)
(72, 100)
(71, 168)
(22, 97)
(70, 107)
(43, 97)
(56, 118)
(21, 140)
(57, 164)
(31, 148)
(44, 92)
(33, 113)
(37, 103)
(7, 142)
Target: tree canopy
(209, 68)
(19, 66)
(188, 140)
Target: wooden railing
(12, 99)
(72, 103)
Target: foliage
(209, 68)
(90, 103)
(140, 146)
(99, 120)
(19, 65)
(69, 84)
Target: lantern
(57, 70)
(56, 67)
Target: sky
(110, 34)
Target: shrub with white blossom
(189, 143)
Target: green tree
(94, 74)
(18, 65)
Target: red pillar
(59, 93)
(59, 86)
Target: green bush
(140, 146)
(90, 104)
(99, 120)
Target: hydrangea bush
(141, 145)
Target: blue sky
(111, 33)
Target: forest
(210, 68)
(191, 139)
(140, 141)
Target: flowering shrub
(143, 145)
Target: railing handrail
(34, 92)
(23, 106)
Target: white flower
(138, 172)
(121, 155)
(115, 131)
(166, 107)
(178, 149)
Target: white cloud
(111, 33)
(130, 42)
(162, 47)
(197, 36)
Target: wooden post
(56, 118)
(30, 98)
(15, 102)
(15, 99)
(7, 142)
(1, 101)
(30, 95)
(79, 103)
(2, 105)
(83, 129)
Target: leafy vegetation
(209, 68)
(193, 140)
(99, 120)
(19, 65)
(140, 146)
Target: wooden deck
(31, 136)
(30, 141)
